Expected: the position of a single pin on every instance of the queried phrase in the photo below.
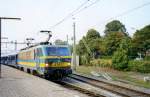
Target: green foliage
(92, 41)
(141, 40)
(92, 34)
(106, 57)
(139, 66)
(120, 58)
(114, 26)
(102, 62)
(147, 58)
(118, 45)
(89, 46)
(84, 59)
(81, 49)
(115, 31)
(112, 42)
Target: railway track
(113, 88)
(84, 88)
(80, 89)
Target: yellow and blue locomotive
(51, 61)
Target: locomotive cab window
(57, 51)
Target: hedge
(102, 62)
(139, 66)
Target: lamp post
(2, 18)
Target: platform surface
(16, 83)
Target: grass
(132, 81)
(133, 78)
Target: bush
(147, 58)
(120, 60)
(120, 57)
(106, 57)
(102, 62)
(84, 60)
(139, 66)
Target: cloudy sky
(39, 15)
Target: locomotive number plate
(57, 64)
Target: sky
(37, 15)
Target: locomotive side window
(39, 52)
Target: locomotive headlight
(69, 64)
(46, 65)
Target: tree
(114, 31)
(141, 40)
(92, 34)
(93, 41)
(112, 41)
(120, 58)
(84, 55)
(89, 46)
(114, 26)
(81, 49)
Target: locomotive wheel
(46, 76)
(34, 72)
(28, 71)
(22, 69)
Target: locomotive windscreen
(57, 51)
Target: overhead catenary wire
(133, 9)
(70, 14)
(124, 13)
(86, 7)
(82, 7)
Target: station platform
(16, 83)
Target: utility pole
(0, 33)
(74, 45)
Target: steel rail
(81, 89)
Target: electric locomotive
(50, 61)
